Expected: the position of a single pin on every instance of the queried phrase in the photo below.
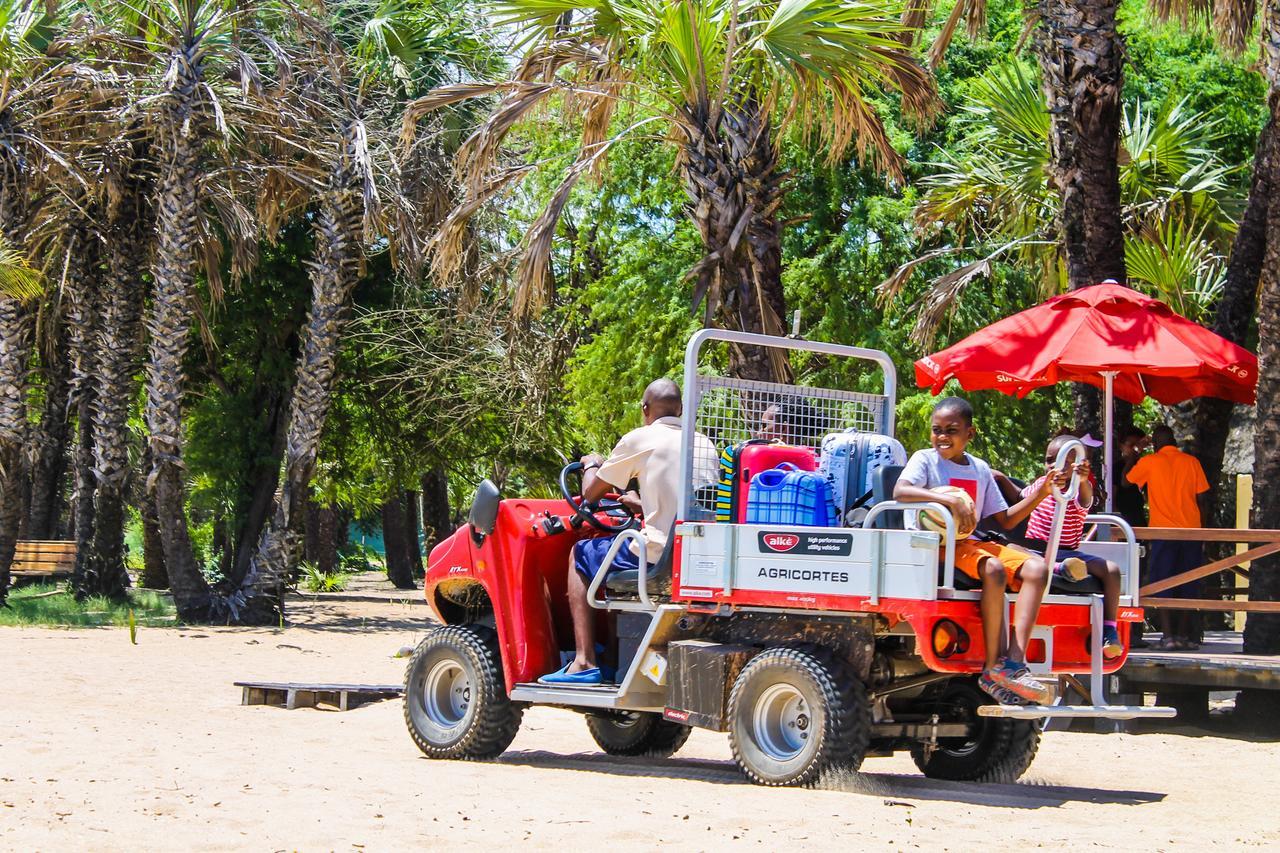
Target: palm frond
(18, 279)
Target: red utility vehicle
(813, 647)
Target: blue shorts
(1040, 546)
(588, 555)
(1169, 557)
(1080, 555)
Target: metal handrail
(606, 566)
(1071, 449)
(694, 348)
(1132, 581)
(949, 559)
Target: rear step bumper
(1106, 712)
(583, 695)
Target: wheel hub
(446, 694)
(780, 722)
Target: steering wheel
(583, 511)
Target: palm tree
(993, 197)
(128, 222)
(24, 84)
(1262, 630)
(721, 81)
(350, 93)
(189, 50)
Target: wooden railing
(1271, 545)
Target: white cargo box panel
(911, 566)
(706, 551)
(806, 560)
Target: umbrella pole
(1108, 435)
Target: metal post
(1108, 430)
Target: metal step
(1108, 712)
(585, 695)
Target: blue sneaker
(563, 676)
(1112, 648)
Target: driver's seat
(626, 581)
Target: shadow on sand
(886, 785)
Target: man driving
(650, 455)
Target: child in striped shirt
(1072, 563)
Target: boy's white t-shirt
(926, 469)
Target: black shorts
(1169, 557)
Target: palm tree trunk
(17, 330)
(1262, 630)
(155, 575)
(437, 517)
(334, 274)
(80, 294)
(120, 355)
(395, 541)
(413, 529)
(50, 444)
(169, 327)
(1236, 306)
(730, 172)
(1082, 66)
(264, 477)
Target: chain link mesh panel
(731, 411)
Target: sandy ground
(108, 746)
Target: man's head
(660, 400)
(1162, 436)
(1133, 440)
(793, 420)
(951, 427)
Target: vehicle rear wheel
(455, 699)
(637, 733)
(999, 750)
(797, 715)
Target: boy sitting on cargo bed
(1005, 675)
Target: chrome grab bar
(1131, 580)
(606, 566)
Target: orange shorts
(970, 553)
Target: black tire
(796, 716)
(455, 699)
(1000, 750)
(637, 733)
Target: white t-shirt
(651, 455)
(927, 469)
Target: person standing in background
(1177, 492)
(1127, 498)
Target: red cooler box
(754, 458)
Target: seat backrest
(883, 481)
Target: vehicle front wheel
(455, 699)
(637, 733)
(998, 750)
(797, 715)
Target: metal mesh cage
(731, 411)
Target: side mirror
(484, 510)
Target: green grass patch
(33, 605)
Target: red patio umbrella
(1128, 344)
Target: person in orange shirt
(1177, 492)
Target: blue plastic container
(787, 495)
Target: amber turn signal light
(949, 639)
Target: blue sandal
(563, 676)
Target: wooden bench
(43, 558)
